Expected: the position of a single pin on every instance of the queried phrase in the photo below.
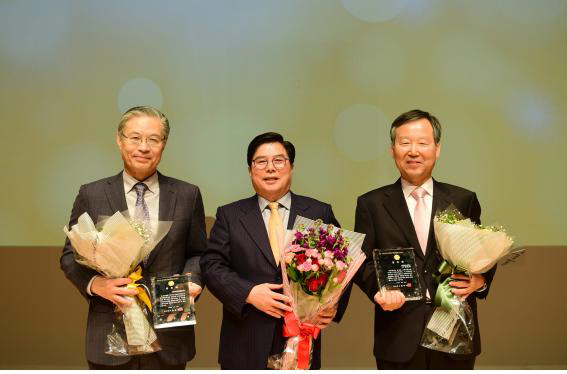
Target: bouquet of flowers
(114, 248)
(318, 262)
(467, 248)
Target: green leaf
(293, 273)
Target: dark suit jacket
(239, 257)
(383, 215)
(177, 253)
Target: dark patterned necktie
(142, 213)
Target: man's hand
(194, 289)
(463, 285)
(326, 316)
(389, 300)
(268, 301)
(113, 290)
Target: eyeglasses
(152, 141)
(261, 163)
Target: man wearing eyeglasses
(241, 265)
(142, 135)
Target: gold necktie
(275, 231)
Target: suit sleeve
(78, 274)
(196, 241)
(223, 282)
(365, 278)
(474, 214)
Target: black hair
(270, 137)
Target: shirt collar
(284, 201)
(408, 188)
(129, 181)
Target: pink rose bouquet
(318, 262)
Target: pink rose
(289, 257)
(311, 253)
(293, 248)
(306, 266)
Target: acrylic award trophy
(396, 270)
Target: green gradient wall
(329, 75)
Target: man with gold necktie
(241, 265)
(400, 215)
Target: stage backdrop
(329, 75)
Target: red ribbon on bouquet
(306, 332)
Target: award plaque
(396, 270)
(173, 305)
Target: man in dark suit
(140, 189)
(400, 215)
(241, 265)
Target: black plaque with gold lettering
(396, 270)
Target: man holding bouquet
(242, 263)
(400, 215)
(142, 191)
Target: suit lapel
(254, 225)
(115, 193)
(297, 208)
(397, 207)
(441, 200)
(167, 199)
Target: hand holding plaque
(396, 270)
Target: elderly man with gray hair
(142, 136)
(399, 215)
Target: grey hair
(414, 115)
(144, 111)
